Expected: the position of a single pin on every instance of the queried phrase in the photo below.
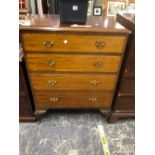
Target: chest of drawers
(124, 98)
(25, 101)
(70, 66)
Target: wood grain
(96, 24)
(70, 99)
(125, 104)
(79, 63)
(75, 42)
(127, 85)
(72, 82)
(25, 101)
(124, 98)
(73, 56)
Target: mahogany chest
(124, 98)
(73, 66)
(25, 99)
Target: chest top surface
(93, 24)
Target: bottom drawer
(125, 104)
(97, 99)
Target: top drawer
(57, 42)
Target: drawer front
(127, 85)
(73, 63)
(72, 42)
(68, 99)
(72, 81)
(125, 104)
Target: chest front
(73, 69)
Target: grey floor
(76, 133)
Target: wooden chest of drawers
(124, 98)
(71, 66)
(25, 101)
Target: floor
(76, 133)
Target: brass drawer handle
(54, 99)
(93, 99)
(99, 44)
(52, 82)
(97, 64)
(48, 43)
(50, 62)
(94, 82)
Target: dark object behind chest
(73, 11)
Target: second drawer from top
(73, 63)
